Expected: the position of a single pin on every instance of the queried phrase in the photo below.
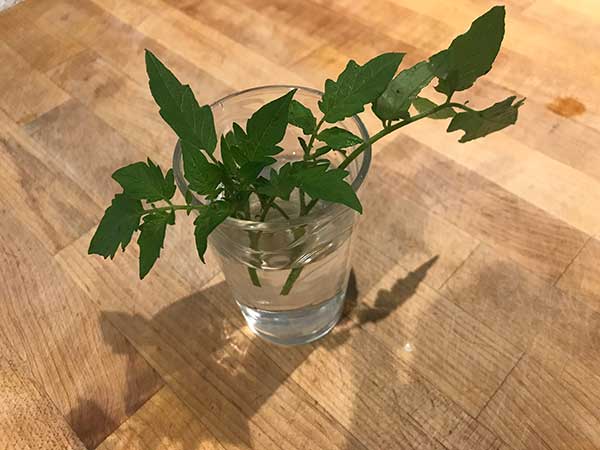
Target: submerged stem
(291, 280)
(295, 273)
(280, 210)
(253, 273)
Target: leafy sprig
(246, 170)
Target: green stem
(280, 210)
(266, 208)
(254, 238)
(311, 142)
(173, 207)
(361, 148)
(295, 273)
(254, 276)
(302, 201)
(291, 280)
(310, 205)
(212, 157)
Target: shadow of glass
(90, 422)
(356, 314)
(200, 345)
(359, 314)
(388, 301)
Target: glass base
(297, 326)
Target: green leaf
(304, 145)
(239, 144)
(477, 124)
(470, 55)
(169, 186)
(203, 176)
(424, 105)
(208, 219)
(251, 170)
(189, 201)
(204, 129)
(215, 195)
(395, 101)
(328, 185)
(321, 151)
(280, 184)
(266, 128)
(118, 224)
(145, 181)
(151, 239)
(178, 106)
(189, 197)
(230, 135)
(336, 137)
(227, 157)
(358, 85)
(302, 117)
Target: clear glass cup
(288, 276)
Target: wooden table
(474, 315)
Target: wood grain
(120, 104)
(28, 419)
(339, 373)
(89, 371)
(25, 93)
(442, 350)
(196, 351)
(485, 210)
(473, 312)
(70, 130)
(553, 327)
(419, 236)
(163, 423)
(35, 45)
(548, 131)
(532, 411)
(55, 208)
(582, 278)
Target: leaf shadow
(357, 315)
(387, 302)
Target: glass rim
(332, 209)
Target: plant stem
(254, 276)
(280, 210)
(254, 238)
(302, 201)
(295, 273)
(361, 148)
(291, 280)
(174, 208)
(276, 207)
(212, 157)
(266, 208)
(253, 273)
(311, 205)
(311, 142)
